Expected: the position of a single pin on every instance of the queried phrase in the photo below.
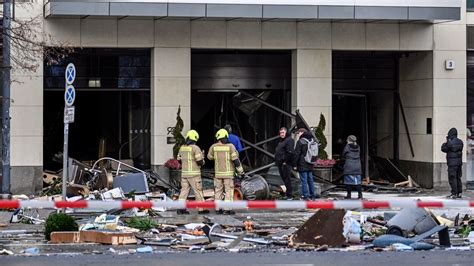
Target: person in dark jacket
(453, 149)
(284, 154)
(352, 167)
(304, 168)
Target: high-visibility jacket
(223, 156)
(189, 155)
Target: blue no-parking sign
(70, 73)
(69, 95)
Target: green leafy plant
(57, 222)
(179, 138)
(141, 223)
(464, 231)
(319, 132)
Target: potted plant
(173, 164)
(323, 166)
(174, 168)
(179, 138)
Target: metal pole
(6, 98)
(65, 159)
(267, 104)
(366, 137)
(406, 124)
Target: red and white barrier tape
(237, 205)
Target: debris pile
(144, 231)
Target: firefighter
(192, 158)
(226, 162)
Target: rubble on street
(28, 231)
(147, 230)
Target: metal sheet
(278, 9)
(187, 10)
(234, 11)
(372, 12)
(284, 11)
(132, 182)
(139, 9)
(78, 8)
(336, 12)
(434, 13)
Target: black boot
(359, 191)
(348, 189)
(182, 211)
(220, 211)
(203, 212)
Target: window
(470, 5)
(103, 69)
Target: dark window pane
(115, 68)
(470, 5)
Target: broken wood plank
(106, 237)
(65, 237)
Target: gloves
(240, 170)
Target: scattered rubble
(146, 231)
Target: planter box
(323, 173)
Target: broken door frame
(298, 120)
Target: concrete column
(27, 113)
(449, 91)
(312, 87)
(171, 85)
(416, 93)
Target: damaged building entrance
(223, 83)
(112, 107)
(366, 104)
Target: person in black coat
(352, 167)
(284, 154)
(304, 168)
(453, 149)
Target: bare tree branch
(29, 43)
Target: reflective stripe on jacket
(189, 155)
(223, 156)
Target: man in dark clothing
(284, 154)
(304, 168)
(453, 149)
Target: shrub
(319, 132)
(57, 222)
(141, 223)
(179, 138)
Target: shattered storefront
(227, 63)
(113, 107)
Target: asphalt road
(419, 258)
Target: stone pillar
(449, 90)
(416, 93)
(171, 84)
(312, 87)
(27, 113)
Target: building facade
(392, 72)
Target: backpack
(313, 151)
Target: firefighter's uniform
(224, 157)
(190, 155)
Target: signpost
(69, 97)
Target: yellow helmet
(192, 135)
(222, 133)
